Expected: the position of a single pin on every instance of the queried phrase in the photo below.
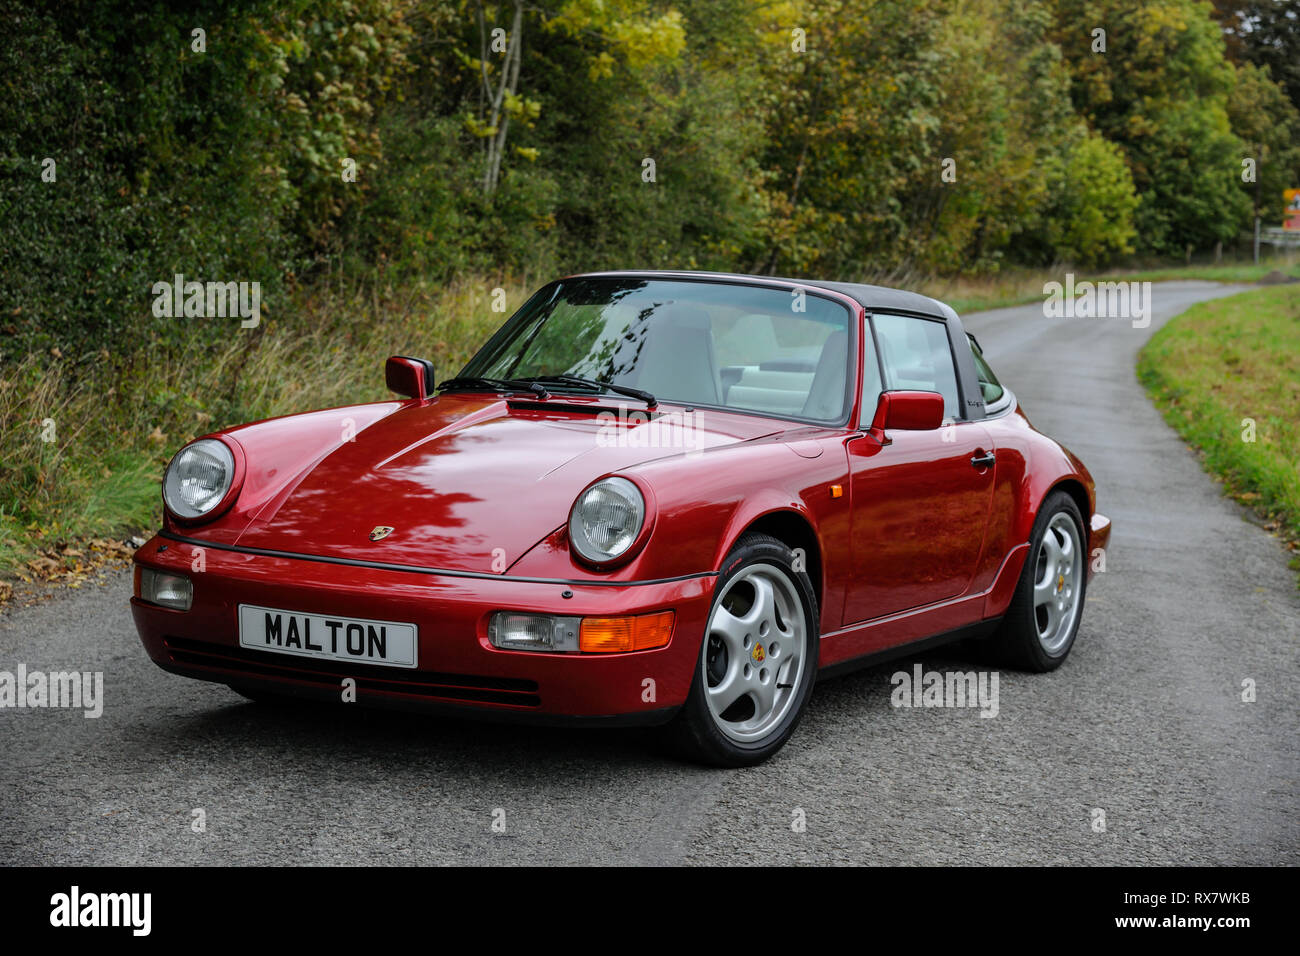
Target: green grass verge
(1232, 273)
(1226, 372)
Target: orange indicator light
(609, 635)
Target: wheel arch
(1038, 488)
(1076, 490)
(795, 530)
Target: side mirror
(910, 411)
(411, 377)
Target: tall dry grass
(85, 442)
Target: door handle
(983, 461)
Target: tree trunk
(498, 119)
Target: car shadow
(868, 689)
(337, 733)
(341, 732)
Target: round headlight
(606, 519)
(198, 478)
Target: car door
(921, 500)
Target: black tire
(1016, 642)
(694, 732)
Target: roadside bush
(1090, 215)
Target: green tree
(1267, 34)
(852, 110)
(652, 138)
(1159, 91)
(1005, 119)
(1089, 220)
(1269, 124)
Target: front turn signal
(610, 635)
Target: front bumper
(458, 669)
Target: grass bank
(1226, 376)
(86, 438)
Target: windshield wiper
(496, 384)
(534, 384)
(578, 380)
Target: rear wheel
(1043, 619)
(758, 659)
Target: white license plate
(361, 641)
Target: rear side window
(916, 356)
(989, 383)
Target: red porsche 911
(650, 498)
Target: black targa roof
(870, 297)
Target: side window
(989, 383)
(916, 355)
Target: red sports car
(650, 498)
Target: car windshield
(775, 351)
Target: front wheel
(758, 658)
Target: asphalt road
(1144, 723)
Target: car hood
(472, 483)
